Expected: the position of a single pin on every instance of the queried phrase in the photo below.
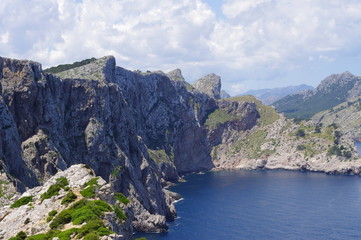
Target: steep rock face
(53, 123)
(210, 85)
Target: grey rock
(210, 85)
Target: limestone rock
(210, 85)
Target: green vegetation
(116, 171)
(20, 236)
(64, 67)
(119, 213)
(268, 114)
(62, 235)
(51, 215)
(54, 189)
(339, 151)
(89, 190)
(81, 211)
(121, 198)
(22, 201)
(159, 156)
(251, 144)
(219, 116)
(69, 198)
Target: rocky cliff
(138, 131)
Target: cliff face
(136, 130)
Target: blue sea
(266, 205)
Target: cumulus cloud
(254, 39)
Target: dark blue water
(266, 205)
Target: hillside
(271, 95)
(332, 91)
(141, 131)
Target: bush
(20, 236)
(54, 189)
(301, 147)
(300, 133)
(88, 192)
(96, 227)
(121, 198)
(80, 212)
(119, 213)
(22, 201)
(51, 215)
(69, 198)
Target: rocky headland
(140, 131)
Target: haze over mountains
(332, 91)
(270, 95)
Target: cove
(266, 205)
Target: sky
(251, 44)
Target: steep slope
(332, 91)
(71, 204)
(271, 95)
(346, 116)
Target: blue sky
(251, 44)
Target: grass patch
(69, 198)
(89, 190)
(159, 156)
(22, 201)
(20, 236)
(268, 114)
(54, 189)
(251, 145)
(121, 198)
(119, 213)
(219, 116)
(80, 212)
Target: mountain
(270, 95)
(139, 132)
(224, 94)
(332, 91)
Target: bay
(266, 205)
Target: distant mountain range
(270, 95)
(333, 90)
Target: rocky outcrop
(33, 218)
(224, 94)
(210, 85)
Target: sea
(265, 204)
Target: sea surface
(266, 205)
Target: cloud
(255, 39)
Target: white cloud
(255, 39)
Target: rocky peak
(224, 94)
(103, 70)
(210, 85)
(335, 81)
(176, 75)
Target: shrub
(80, 212)
(88, 192)
(22, 201)
(51, 215)
(301, 147)
(54, 189)
(91, 236)
(119, 213)
(96, 227)
(69, 198)
(92, 182)
(20, 236)
(121, 198)
(300, 133)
